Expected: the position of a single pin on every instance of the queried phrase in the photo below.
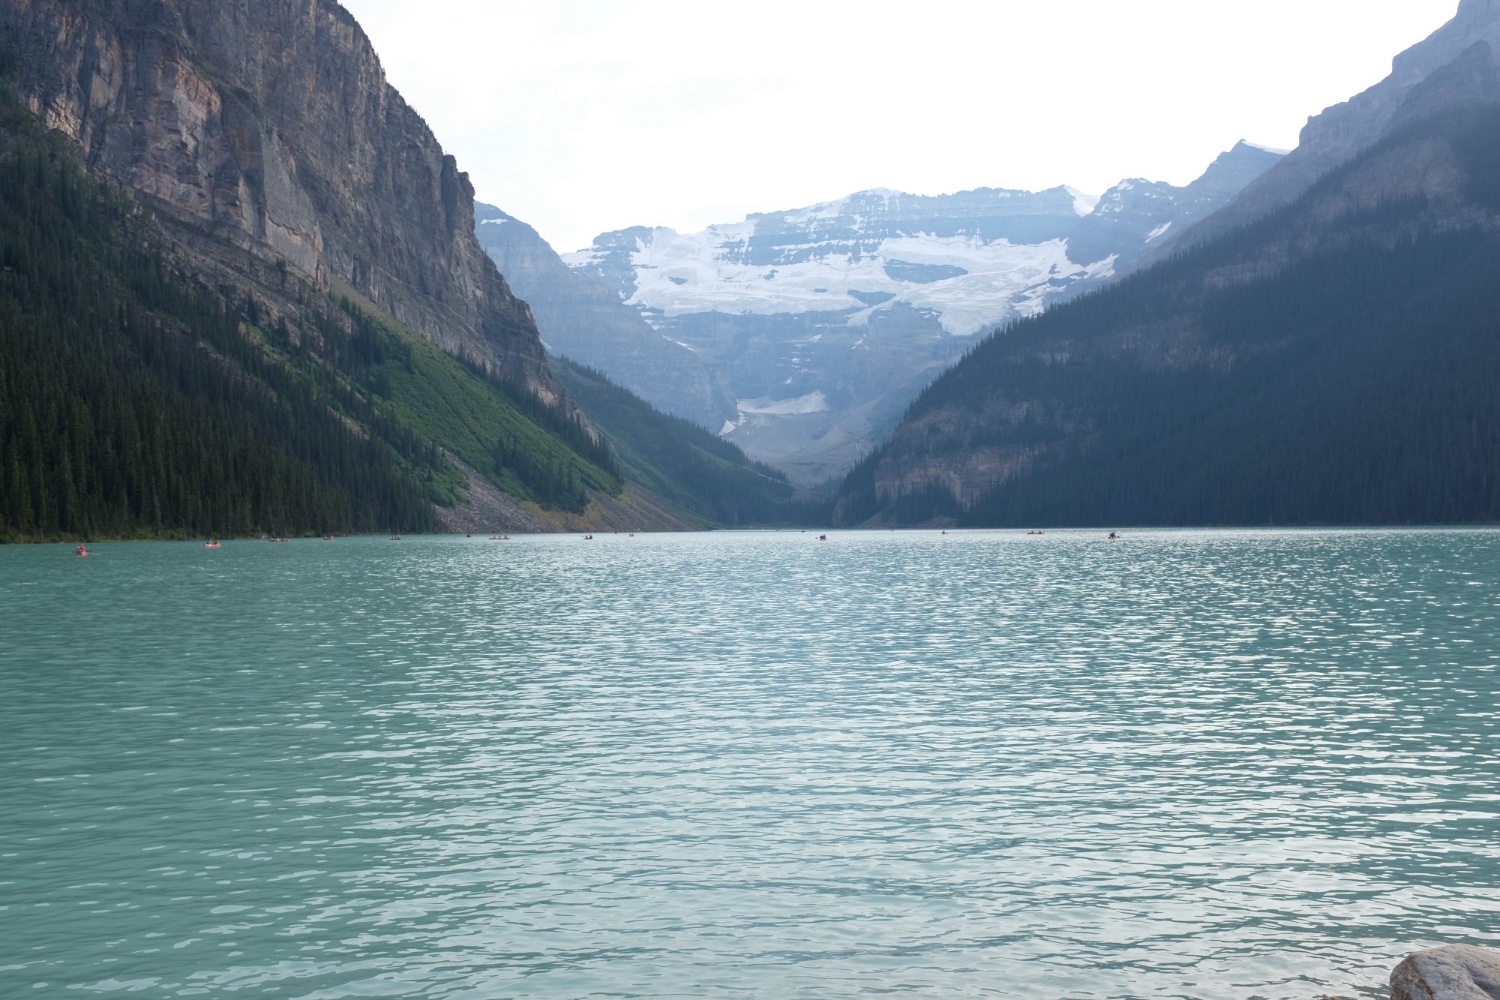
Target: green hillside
(680, 461)
(134, 402)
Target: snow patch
(814, 402)
(682, 275)
(1159, 231)
(1083, 204)
(1267, 149)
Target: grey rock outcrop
(264, 137)
(1455, 972)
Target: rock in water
(1457, 972)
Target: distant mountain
(1453, 66)
(579, 317)
(821, 324)
(1334, 361)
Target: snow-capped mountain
(825, 322)
(970, 260)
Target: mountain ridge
(1341, 131)
(822, 322)
(1331, 362)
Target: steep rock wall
(266, 132)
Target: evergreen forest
(1355, 386)
(137, 403)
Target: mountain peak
(1239, 166)
(1478, 10)
(1083, 204)
(1246, 146)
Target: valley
(972, 587)
(817, 327)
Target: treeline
(1352, 386)
(534, 450)
(554, 481)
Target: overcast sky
(584, 116)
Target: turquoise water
(975, 765)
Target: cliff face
(264, 136)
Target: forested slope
(1334, 363)
(135, 401)
(680, 461)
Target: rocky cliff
(266, 140)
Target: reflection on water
(1178, 765)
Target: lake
(981, 764)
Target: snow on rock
(847, 263)
(813, 402)
(823, 323)
(1083, 204)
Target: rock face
(1457, 972)
(1458, 60)
(822, 323)
(264, 135)
(580, 318)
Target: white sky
(584, 116)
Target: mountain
(1453, 66)
(243, 294)
(824, 322)
(577, 316)
(134, 401)
(265, 139)
(1333, 361)
(673, 457)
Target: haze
(585, 116)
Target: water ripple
(1187, 764)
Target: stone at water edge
(1456, 972)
